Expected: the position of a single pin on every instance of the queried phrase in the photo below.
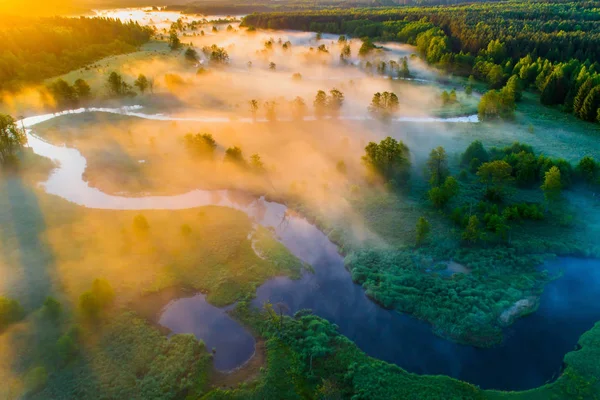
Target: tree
(12, 140)
(582, 93)
(191, 55)
(471, 233)
(216, 55)
(445, 97)
(52, 308)
(441, 195)
(423, 229)
(495, 174)
(404, 72)
(366, 47)
(272, 66)
(234, 155)
(496, 104)
(10, 312)
(437, 165)
(477, 152)
(200, 145)
(141, 83)
(588, 169)
(256, 163)
(298, 108)
(384, 105)
(552, 185)
(94, 301)
(117, 86)
(389, 158)
(82, 89)
(335, 101)
(345, 54)
(320, 104)
(591, 104)
(174, 42)
(63, 93)
(253, 108)
(469, 90)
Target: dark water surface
(234, 345)
(531, 355)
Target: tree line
(36, 49)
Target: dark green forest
(551, 47)
(234, 7)
(35, 49)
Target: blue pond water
(531, 355)
(234, 345)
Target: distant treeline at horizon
(241, 7)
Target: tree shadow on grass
(28, 258)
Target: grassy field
(52, 248)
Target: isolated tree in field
(345, 54)
(404, 72)
(117, 86)
(82, 89)
(437, 165)
(297, 77)
(234, 155)
(342, 39)
(200, 145)
(423, 229)
(471, 233)
(495, 175)
(298, 108)
(12, 140)
(215, 29)
(552, 185)
(384, 105)
(335, 101)
(320, 104)
(253, 108)
(256, 163)
(469, 90)
(388, 158)
(216, 55)
(191, 54)
(174, 42)
(141, 83)
(272, 66)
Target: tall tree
(422, 229)
(552, 185)
(437, 164)
(12, 140)
(141, 83)
(388, 158)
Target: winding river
(531, 355)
